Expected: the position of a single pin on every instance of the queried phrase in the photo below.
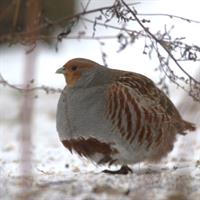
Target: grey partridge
(115, 117)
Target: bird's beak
(61, 70)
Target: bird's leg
(123, 170)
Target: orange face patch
(74, 69)
(72, 77)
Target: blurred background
(39, 36)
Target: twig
(24, 36)
(28, 88)
(109, 26)
(81, 37)
(76, 16)
(158, 41)
(170, 16)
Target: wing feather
(137, 107)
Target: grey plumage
(123, 110)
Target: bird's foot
(123, 170)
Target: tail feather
(187, 126)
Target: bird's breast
(83, 111)
(87, 110)
(83, 126)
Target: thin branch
(170, 16)
(28, 88)
(108, 25)
(67, 18)
(25, 34)
(175, 49)
(81, 37)
(158, 41)
(86, 6)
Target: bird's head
(79, 71)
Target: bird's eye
(74, 68)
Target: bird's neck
(103, 77)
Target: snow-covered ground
(56, 174)
(59, 175)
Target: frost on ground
(59, 175)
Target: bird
(115, 117)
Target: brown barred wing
(135, 109)
(148, 92)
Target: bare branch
(158, 41)
(28, 88)
(164, 62)
(170, 16)
(166, 48)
